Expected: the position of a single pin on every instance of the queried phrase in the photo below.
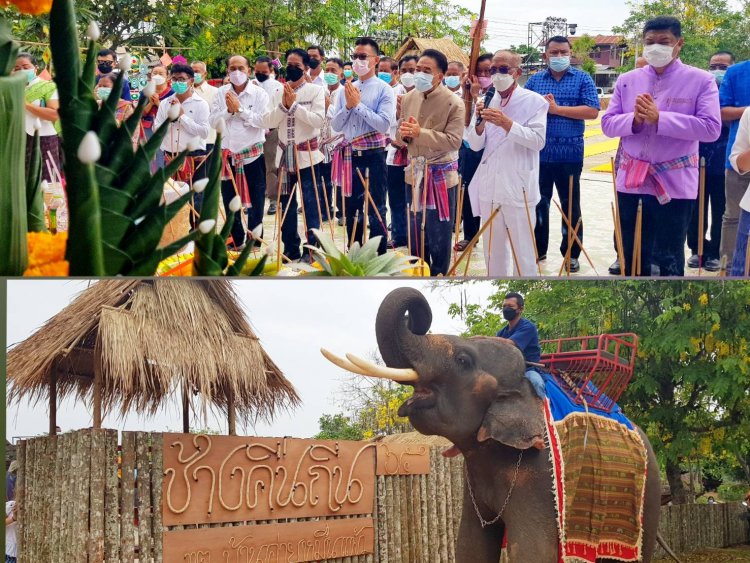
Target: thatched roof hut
(129, 344)
(415, 45)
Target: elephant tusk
(342, 363)
(401, 375)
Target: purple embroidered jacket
(689, 113)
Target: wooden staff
(618, 242)
(701, 212)
(372, 201)
(459, 207)
(473, 242)
(577, 239)
(315, 186)
(408, 228)
(424, 215)
(747, 257)
(489, 244)
(328, 206)
(278, 218)
(531, 230)
(476, 41)
(635, 266)
(566, 259)
(299, 190)
(618, 222)
(354, 229)
(570, 214)
(366, 207)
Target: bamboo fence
(82, 498)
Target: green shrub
(732, 491)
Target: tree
(691, 387)
(338, 427)
(707, 26)
(582, 48)
(530, 54)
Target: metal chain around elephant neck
(482, 521)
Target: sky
(292, 318)
(508, 21)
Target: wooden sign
(211, 479)
(272, 543)
(403, 459)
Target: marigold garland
(31, 7)
(47, 255)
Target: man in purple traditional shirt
(661, 112)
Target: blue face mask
(452, 82)
(423, 82)
(719, 75)
(385, 77)
(103, 93)
(180, 87)
(559, 64)
(30, 74)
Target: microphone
(488, 95)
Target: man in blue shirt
(572, 98)
(734, 98)
(364, 113)
(523, 334)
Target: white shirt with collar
(390, 151)
(308, 111)
(273, 88)
(243, 129)
(193, 123)
(319, 80)
(328, 131)
(208, 93)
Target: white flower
(45, 186)
(89, 151)
(207, 226)
(37, 124)
(149, 90)
(125, 62)
(200, 185)
(93, 32)
(221, 126)
(257, 231)
(174, 111)
(235, 205)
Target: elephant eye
(464, 360)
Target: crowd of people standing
(383, 145)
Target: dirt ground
(730, 555)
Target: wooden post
(97, 386)
(476, 44)
(185, 409)
(53, 402)
(231, 415)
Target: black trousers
(255, 174)
(374, 161)
(397, 204)
(437, 235)
(558, 175)
(716, 197)
(468, 162)
(662, 235)
(289, 228)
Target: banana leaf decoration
(34, 195)
(116, 218)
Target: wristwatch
(241, 110)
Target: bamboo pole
(424, 217)
(315, 186)
(53, 402)
(635, 266)
(476, 41)
(618, 221)
(531, 230)
(328, 207)
(473, 242)
(567, 254)
(618, 241)
(459, 209)
(299, 188)
(489, 245)
(366, 207)
(354, 228)
(408, 228)
(701, 212)
(372, 201)
(577, 239)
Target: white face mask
(658, 56)
(502, 82)
(407, 80)
(237, 77)
(159, 79)
(361, 67)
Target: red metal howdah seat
(594, 370)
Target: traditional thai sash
(401, 157)
(434, 178)
(288, 165)
(238, 160)
(636, 172)
(187, 170)
(341, 169)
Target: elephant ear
(515, 418)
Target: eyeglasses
(500, 70)
(360, 56)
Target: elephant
(473, 392)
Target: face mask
(159, 79)
(294, 73)
(104, 68)
(502, 82)
(658, 56)
(719, 75)
(452, 82)
(314, 63)
(180, 87)
(423, 81)
(509, 313)
(103, 93)
(30, 74)
(348, 73)
(361, 67)
(198, 78)
(407, 79)
(330, 78)
(485, 82)
(237, 77)
(559, 64)
(261, 76)
(385, 77)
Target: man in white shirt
(243, 106)
(265, 78)
(330, 139)
(511, 132)
(452, 80)
(299, 119)
(191, 126)
(315, 74)
(207, 92)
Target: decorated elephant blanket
(599, 473)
